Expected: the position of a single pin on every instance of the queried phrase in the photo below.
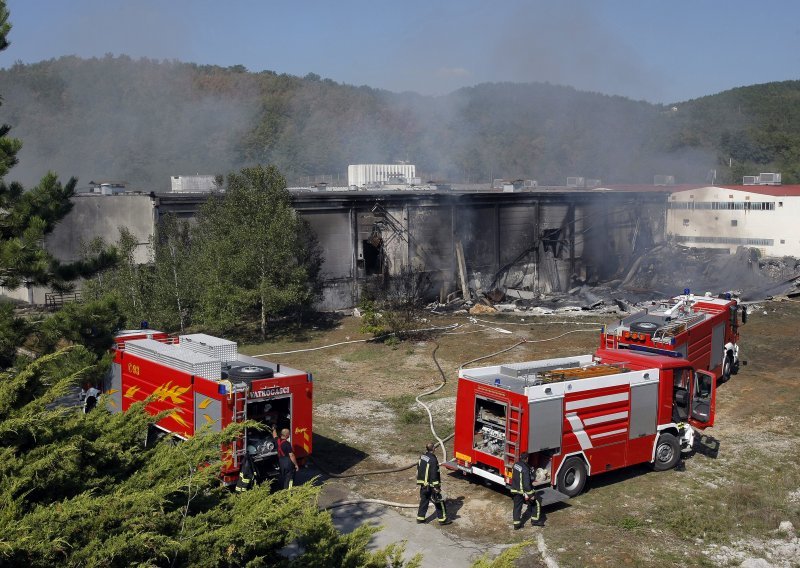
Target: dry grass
(729, 503)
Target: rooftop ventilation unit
(576, 182)
(663, 180)
(769, 179)
(593, 182)
(531, 183)
(750, 180)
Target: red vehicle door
(702, 400)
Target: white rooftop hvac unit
(769, 179)
(576, 182)
(663, 180)
(750, 180)
(593, 182)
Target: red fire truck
(579, 416)
(203, 382)
(704, 330)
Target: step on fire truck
(704, 330)
(203, 382)
(578, 416)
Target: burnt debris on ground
(664, 271)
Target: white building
(195, 184)
(759, 216)
(361, 175)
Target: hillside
(143, 120)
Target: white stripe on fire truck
(604, 434)
(596, 401)
(605, 418)
(577, 429)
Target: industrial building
(727, 217)
(538, 239)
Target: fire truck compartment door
(545, 420)
(114, 389)
(717, 345)
(207, 412)
(644, 410)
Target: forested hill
(141, 121)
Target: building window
(783, 242)
(780, 203)
(734, 222)
(686, 222)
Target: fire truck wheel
(727, 368)
(251, 372)
(668, 452)
(572, 476)
(644, 327)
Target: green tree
(82, 490)
(174, 277)
(255, 255)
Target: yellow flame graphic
(167, 391)
(131, 391)
(177, 418)
(205, 403)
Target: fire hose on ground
(440, 441)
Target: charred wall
(541, 242)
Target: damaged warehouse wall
(536, 242)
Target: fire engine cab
(704, 330)
(578, 416)
(203, 382)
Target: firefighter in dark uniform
(430, 486)
(247, 475)
(523, 492)
(287, 462)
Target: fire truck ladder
(239, 399)
(513, 428)
(679, 326)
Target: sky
(658, 51)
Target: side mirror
(744, 314)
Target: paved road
(439, 545)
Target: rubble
(664, 271)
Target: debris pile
(665, 270)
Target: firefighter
(523, 492)
(89, 396)
(287, 462)
(430, 487)
(247, 475)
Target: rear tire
(572, 476)
(668, 452)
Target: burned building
(538, 240)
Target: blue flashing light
(144, 325)
(727, 295)
(221, 389)
(686, 291)
(497, 382)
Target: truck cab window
(680, 395)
